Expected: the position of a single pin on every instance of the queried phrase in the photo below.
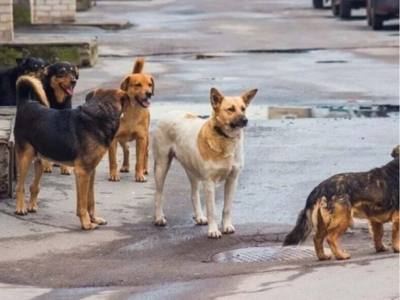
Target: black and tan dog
(8, 77)
(76, 137)
(331, 206)
(59, 82)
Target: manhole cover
(257, 254)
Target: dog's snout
(73, 81)
(149, 94)
(239, 122)
(243, 121)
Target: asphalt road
(295, 56)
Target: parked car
(379, 11)
(320, 3)
(342, 8)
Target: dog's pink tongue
(146, 103)
(70, 91)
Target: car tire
(345, 9)
(335, 9)
(318, 4)
(376, 22)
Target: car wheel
(376, 22)
(345, 9)
(335, 9)
(318, 4)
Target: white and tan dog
(209, 150)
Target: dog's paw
(160, 221)
(382, 248)
(90, 226)
(98, 221)
(65, 170)
(227, 229)
(48, 169)
(343, 256)
(324, 257)
(140, 178)
(214, 234)
(201, 220)
(114, 177)
(21, 211)
(124, 169)
(32, 208)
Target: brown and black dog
(59, 80)
(331, 206)
(77, 137)
(134, 124)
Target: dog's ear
(20, 61)
(90, 95)
(396, 152)
(125, 83)
(216, 98)
(125, 99)
(153, 86)
(46, 70)
(248, 96)
(138, 67)
(76, 72)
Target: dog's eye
(150, 85)
(243, 109)
(231, 109)
(61, 72)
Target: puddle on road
(344, 111)
(265, 112)
(331, 61)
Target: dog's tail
(304, 225)
(139, 65)
(30, 88)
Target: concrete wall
(53, 11)
(6, 21)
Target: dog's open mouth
(145, 103)
(68, 90)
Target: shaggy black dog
(8, 77)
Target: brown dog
(77, 137)
(135, 124)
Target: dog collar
(221, 133)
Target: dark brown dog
(331, 206)
(59, 81)
(134, 124)
(76, 137)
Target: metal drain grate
(258, 254)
